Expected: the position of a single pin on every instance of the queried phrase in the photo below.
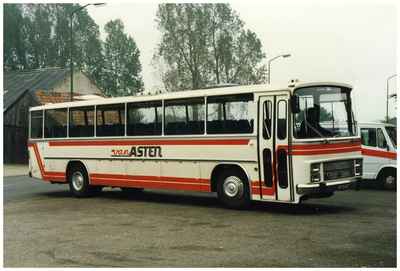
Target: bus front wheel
(79, 183)
(233, 189)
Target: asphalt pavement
(44, 226)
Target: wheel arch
(383, 169)
(70, 165)
(219, 168)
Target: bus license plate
(343, 186)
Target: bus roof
(191, 94)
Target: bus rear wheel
(233, 189)
(79, 183)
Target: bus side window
(230, 114)
(184, 116)
(55, 123)
(144, 118)
(382, 143)
(36, 124)
(110, 120)
(81, 122)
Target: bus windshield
(325, 112)
(392, 132)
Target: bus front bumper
(327, 187)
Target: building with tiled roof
(24, 89)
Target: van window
(368, 137)
(382, 143)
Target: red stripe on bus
(148, 178)
(46, 175)
(321, 149)
(322, 152)
(193, 184)
(327, 146)
(380, 154)
(152, 142)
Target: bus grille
(339, 170)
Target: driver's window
(305, 103)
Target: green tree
(13, 47)
(122, 67)
(38, 36)
(204, 44)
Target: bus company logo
(139, 151)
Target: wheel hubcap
(390, 181)
(77, 180)
(233, 187)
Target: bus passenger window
(55, 123)
(144, 118)
(36, 124)
(81, 122)
(282, 119)
(233, 114)
(110, 120)
(184, 117)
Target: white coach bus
(243, 142)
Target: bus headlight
(315, 177)
(315, 168)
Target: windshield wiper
(317, 132)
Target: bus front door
(273, 147)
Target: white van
(379, 149)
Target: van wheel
(388, 179)
(233, 189)
(79, 183)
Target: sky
(354, 44)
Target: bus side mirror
(295, 104)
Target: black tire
(388, 179)
(233, 189)
(131, 191)
(79, 183)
